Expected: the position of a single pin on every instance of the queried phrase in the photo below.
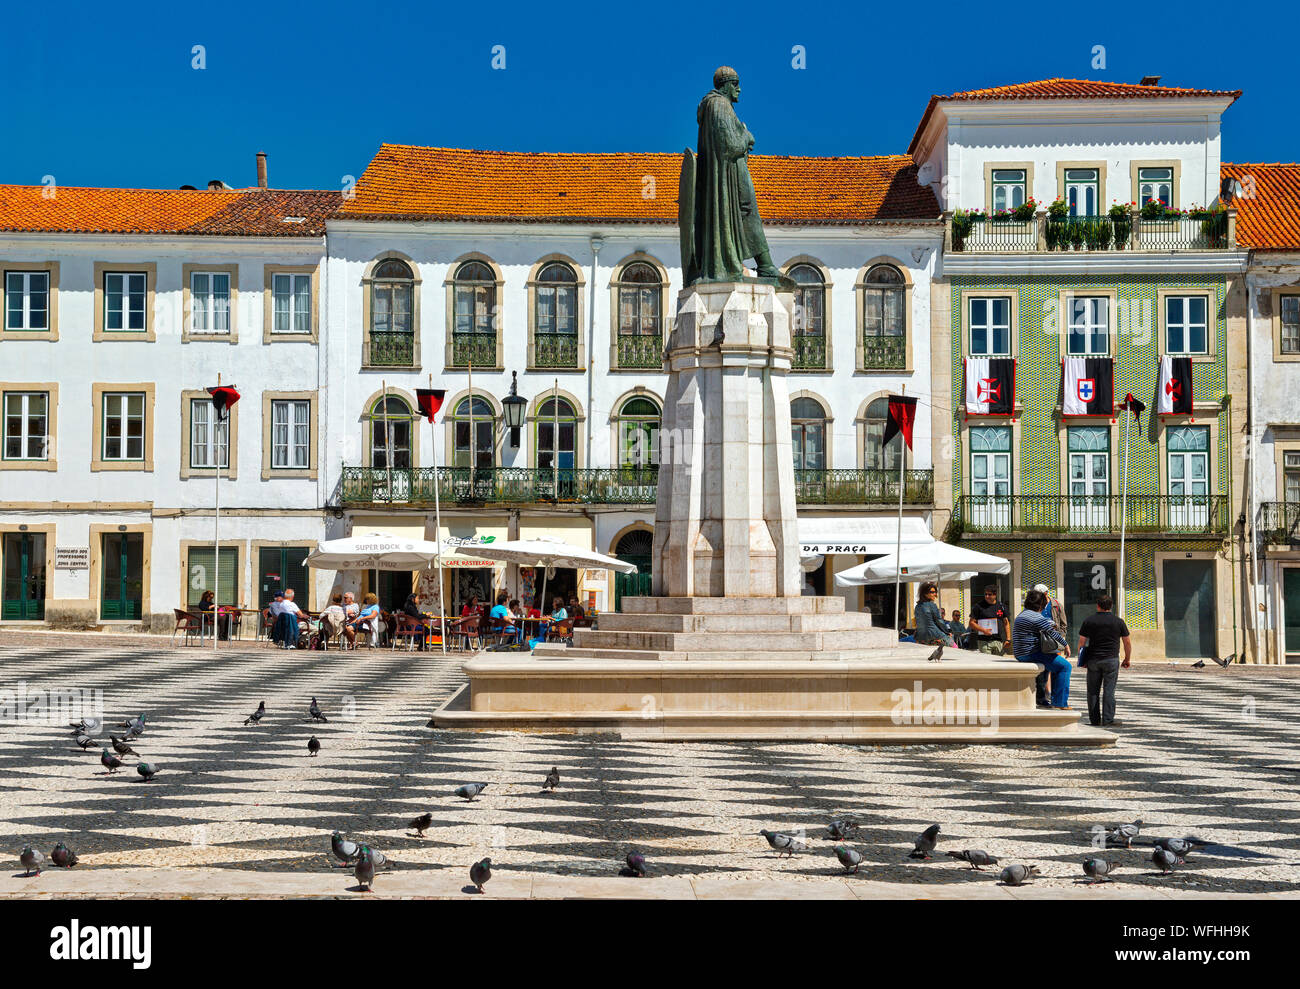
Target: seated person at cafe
(530, 609)
(576, 609)
(500, 613)
(557, 609)
(516, 610)
(367, 620)
(411, 609)
(334, 620)
(470, 607)
(285, 630)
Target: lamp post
(513, 406)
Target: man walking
(1032, 635)
(1101, 635)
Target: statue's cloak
(728, 229)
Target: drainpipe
(1262, 651)
(597, 242)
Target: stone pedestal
(725, 516)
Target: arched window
(808, 433)
(392, 324)
(640, 323)
(875, 455)
(884, 318)
(474, 307)
(555, 316)
(390, 433)
(474, 434)
(557, 430)
(809, 335)
(638, 433)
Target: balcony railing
(390, 349)
(413, 487)
(809, 352)
(555, 350)
(883, 352)
(1094, 514)
(1202, 231)
(1279, 522)
(862, 487)
(479, 349)
(641, 351)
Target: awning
(468, 533)
(858, 535)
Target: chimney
(1150, 81)
(261, 169)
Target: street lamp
(513, 406)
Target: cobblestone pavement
(1207, 753)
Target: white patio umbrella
(545, 552)
(936, 561)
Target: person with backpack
(1035, 639)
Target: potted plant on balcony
(1057, 214)
(963, 221)
(1097, 233)
(1155, 209)
(1121, 224)
(1074, 230)
(1026, 210)
(1214, 224)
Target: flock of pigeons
(1169, 853)
(366, 861)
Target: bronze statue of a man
(717, 209)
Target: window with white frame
(1186, 324)
(209, 302)
(1156, 183)
(1291, 476)
(1008, 188)
(124, 300)
(1088, 333)
(26, 425)
(1082, 191)
(290, 302)
(990, 327)
(27, 300)
(1289, 315)
(123, 426)
(209, 439)
(291, 434)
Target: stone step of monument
(732, 606)
(855, 621)
(898, 653)
(757, 642)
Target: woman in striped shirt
(1025, 642)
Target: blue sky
(102, 95)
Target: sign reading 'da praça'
(72, 558)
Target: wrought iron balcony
(884, 352)
(555, 350)
(1279, 522)
(1203, 230)
(641, 351)
(413, 487)
(390, 349)
(478, 349)
(1094, 514)
(809, 352)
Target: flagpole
(1123, 508)
(898, 543)
(216, 517)
(437, 536)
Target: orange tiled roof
(1268, 214)
(417, 183)
(228, 213)
(1067, 89)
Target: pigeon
(552, 780)
(364, 869)
(316, 713)
(134, 727)
(1097, 869)
(32, 859)
(313, 745)
(109, 762)
(480, 873)
(421, 824)
(1165, 860)
(840, 830)
(1179, 846)
(1123, 834)
(63, 856)
(85, 741)
(978, 858)
(1225, 663)
(1199, 664)
(635, 864)
(378, 859)
(121, 748)
(147, 770)
(345, 851)
(784, 842)
(925, 843)
(1018, 875)
(87, 726)
(256, 716)
(470, 790)
(850, 858)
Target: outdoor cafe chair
(191, 624)
(408, 629)
(561, 631)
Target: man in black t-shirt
(989, 623)
(1101, 635)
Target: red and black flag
(1089, 386)
(223, 397)
(902, 416)
(1175, 386)
(990, 386)
(430, 400)
(1134, 405)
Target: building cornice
(1116, 263)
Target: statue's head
(726, 80)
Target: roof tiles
(1268, 211)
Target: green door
(1085, 582)
(1189, 609)
(122, 589)
(634, 548)
(280, 568)
(1291, 612)
(24, 577)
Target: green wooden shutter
(294, 573)
(199, 575)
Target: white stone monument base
(683, 669)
